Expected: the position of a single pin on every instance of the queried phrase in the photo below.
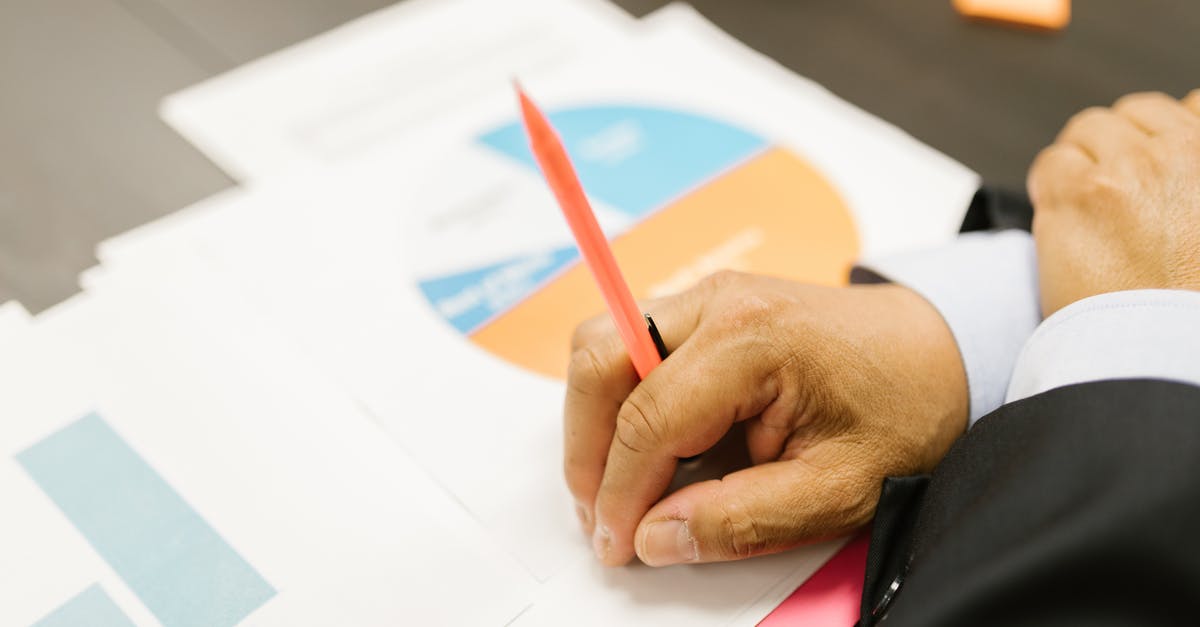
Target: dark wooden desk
(83, 155)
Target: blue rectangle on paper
(92, 607)
(178, 565)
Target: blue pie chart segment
(634, 159)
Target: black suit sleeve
(996, 209)
(1078, 506)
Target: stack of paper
(332, 395)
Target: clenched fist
(837, 388)
(1117, 200)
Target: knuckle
(1042, 156)
(741, 536)
(586, 332)
(640, 426)
(720, 279)
(1139, 98)
(1085, 122)
(1042, 164)
(1087, 116)
(585, 371)
(1101, 189)
(1045, 165)
(579, 482)
(753, 311)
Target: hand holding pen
(838, 388)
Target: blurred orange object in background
(1048, 14)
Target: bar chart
(184, 572)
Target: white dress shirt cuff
(1137, 334)
(985, 287)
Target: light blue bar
(185, 573)
(92, 607)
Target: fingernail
(668, 542)
(585, 517)
(601, 541)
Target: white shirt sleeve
(985, 287)
(1137, 334)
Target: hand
(1117, 200)
(839, 388)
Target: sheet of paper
(170, 465)
(390, 270)
(902, 193)
(524, 499)
(333, 95)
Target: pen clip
(662, 353)
(654, 335)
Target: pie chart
(681, 195)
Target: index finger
(599, 379)
(680, 410)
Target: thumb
(764, 509)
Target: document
(430, 278)
(346, 90)
(172, 465)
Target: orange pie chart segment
(773, 214)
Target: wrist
(942, 355)
(927, 382)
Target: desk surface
(83, 155)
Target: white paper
(331, 96)
(347, 529)
(904, 194)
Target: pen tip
(529, 111)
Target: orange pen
(641, 337)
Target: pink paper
(832, 596)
